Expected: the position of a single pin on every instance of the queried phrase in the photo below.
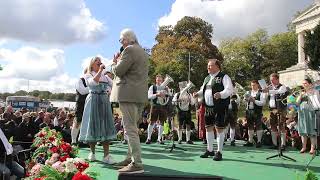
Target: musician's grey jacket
(131, 74)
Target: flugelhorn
(184, 97)
(163, 101)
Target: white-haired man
(130, 89)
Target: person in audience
(8, 114)
(8, 166)
(47, 121)
(307, 116)
(39, 119)
(27, 130)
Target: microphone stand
(173, 145)
(280, 153)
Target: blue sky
(45, 44)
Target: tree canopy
(174, 43)
(258, 55)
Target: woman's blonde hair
(89, 69)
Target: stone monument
(308, 20)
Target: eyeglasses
(121, 40)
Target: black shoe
(233, 143)
(180, 142)
(207, 154)
(248, 144)
(161, 142)
(189, 142)
(148, 141)
(258, 145)
(204, 141)
(218, 156)
(283, 148)
(125, 142)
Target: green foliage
(258, 55)
(171, 53)
(42, 95)
(312, 48)
(51, 173)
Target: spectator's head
(254, 85)
(9, 109)
(33, 114)
(17, 114)
(24, 110)
(70, 116)
(47, 118)
(26, 117)
(41, 114)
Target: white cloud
(234, 18)
(29, 68)
(49, 21)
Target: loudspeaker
(164, 177)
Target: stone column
(301, 55)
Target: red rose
(82, 166)
(64, 158)
(41, 135)
(51, 139)
(80, 176)
(66, 148)
(54, 149)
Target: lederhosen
(281, 110)
(158, 112)
(80, 101)
(215, 115)
(184, 117)
(254, 116)
(232, 113)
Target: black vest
(155, 100)
(257, 109)
(278, 98)
(217, 86)
(79, 97)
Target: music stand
(171, 135)
(280, 153)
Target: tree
(258, 55)
(312, 48)
(171, 53)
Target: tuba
(163, 88)
(184, 98)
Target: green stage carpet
(238, 162)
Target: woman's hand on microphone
(102, 67)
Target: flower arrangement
(55, 159)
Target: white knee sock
(250, 134)
(283, 139)
(210, 138)
(160, 131)
(274, 137)
(220, 140)
(232, 133)
(74, 134)
(125, 136)
(259, 135)
(188, 133)
(150, 130)
(180, 135)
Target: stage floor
(238, 162)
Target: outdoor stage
(238, 162)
